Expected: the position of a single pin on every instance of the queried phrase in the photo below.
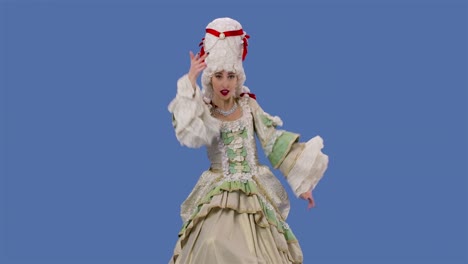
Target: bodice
(234, 151)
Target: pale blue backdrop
(91, 171)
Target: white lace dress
(237, 210)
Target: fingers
(197, 65)
(196, 57)
(305, 195)
(311, 203)
(309, 198)
(204, 56)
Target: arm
(193, 124)
(302, 164)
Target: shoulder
(247, 97)
(248, 101)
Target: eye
(218, 76)
(231, 76)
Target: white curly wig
(226, 52)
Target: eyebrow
(229, 73)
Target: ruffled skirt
(234, 224)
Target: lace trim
(269, 207)
(267, 204)
(241, 125)
(204, 184)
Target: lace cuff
(305, 165)
(193, 124)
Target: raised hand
(197, 65)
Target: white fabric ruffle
(309, 167)
(194, 126)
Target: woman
(236, 212)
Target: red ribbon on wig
(249, 94)
(225, 34)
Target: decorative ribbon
(202, 49)
(249, 94)
(223, 35)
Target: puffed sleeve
(194, 126)
(302, 163)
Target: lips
(224, 92)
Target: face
(224, 84)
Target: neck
(224, 104)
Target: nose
(225, 81)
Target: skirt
(234, 224)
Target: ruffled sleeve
(302, 163)
(191, 119)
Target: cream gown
(237, 210)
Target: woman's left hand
(308, 196)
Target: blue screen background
(91, 171)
